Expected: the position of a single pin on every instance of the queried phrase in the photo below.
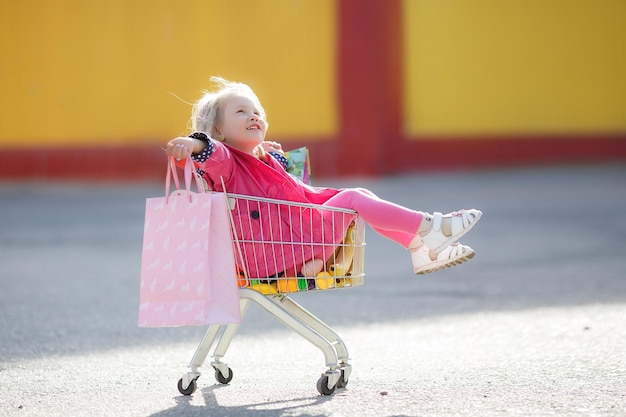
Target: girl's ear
(218, 135)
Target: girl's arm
(211, 158)
(182, 147)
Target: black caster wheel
(189, 390)
(322, 386)
(223, 379)
(342, 380)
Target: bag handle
(173, 173)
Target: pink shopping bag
(187, 266)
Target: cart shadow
(211, 407)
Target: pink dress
(309, 232)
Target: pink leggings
(391, 220)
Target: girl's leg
(391, 220)
(404, 226)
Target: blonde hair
(205, 112)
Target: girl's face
(241, 123)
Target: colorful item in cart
(343, 282)
(303, 284)
(345, 254)
(264, 288)
(335, 275)
(298, 164)
(325, 280)
(312, 268)
(287, 285)
(186, 268)
(241, 279)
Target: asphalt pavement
(534, 325)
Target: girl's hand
(272, 147)
(180, 148)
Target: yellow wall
(90, 71)
(96, 72)
(515, 66)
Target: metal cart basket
(280, 248)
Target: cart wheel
(342, 381)
(322, 386)
(190, 389)
(223, 379)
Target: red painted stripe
(107, 163)
(510, 151)
(368, 72)
(148, 163)
(126, 163)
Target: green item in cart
(298, 164)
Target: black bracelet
(280, 158)
(200, 136)
(206, 153)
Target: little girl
(228, 144)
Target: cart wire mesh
(285, 247)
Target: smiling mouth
(254, 127)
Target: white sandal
(461, 222)
(452, 255)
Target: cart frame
(285, 310)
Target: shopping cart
(281, 248)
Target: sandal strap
(459, 221)
(451, 251)
(437, 221)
